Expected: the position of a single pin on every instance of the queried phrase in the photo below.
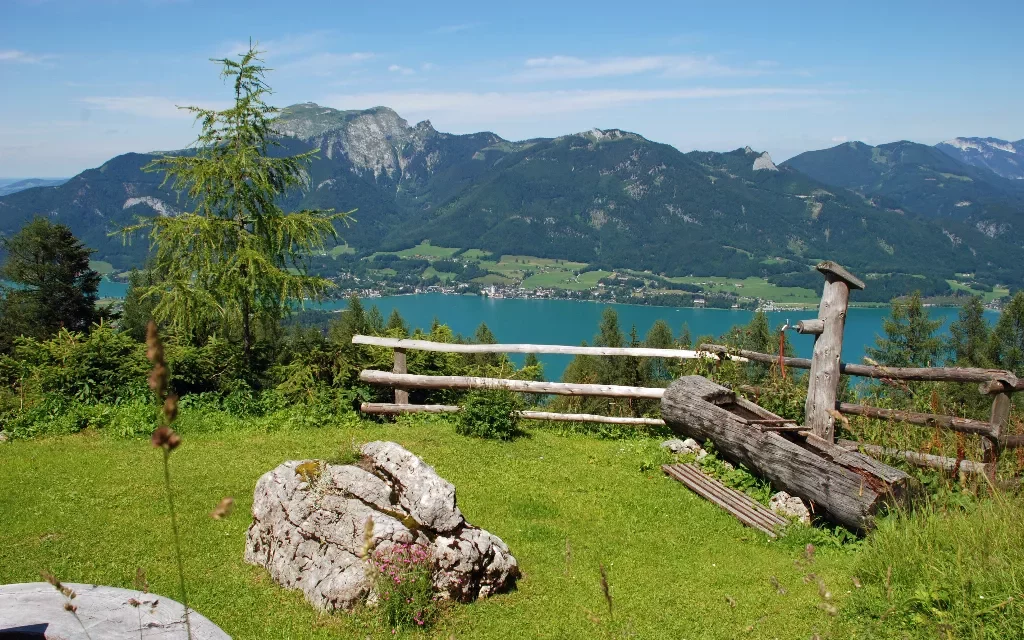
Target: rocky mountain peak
(764, 162)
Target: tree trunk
(849, 487)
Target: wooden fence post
(823, 382)
(401, 395)
(990, 445)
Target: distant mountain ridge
(14, 185)
(1004, 158)
(605, 197)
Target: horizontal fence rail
(410, 381)
(447, 347)
(919, 374)
(393, 409)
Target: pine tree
(659, 337)
(532, 364)
(483, 335)
(1006, 346)
(969, 335)
(137, 309)
(238, 257)
(53, 286)
(396, 323)
(685, 340)
(374, 321)
(609, 335)
(910, 339)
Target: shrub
(490, 414)
(404, 585)
(944, 572)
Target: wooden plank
(411, 381)
(963, 425)
(920, 374)
(850, 495)
(401, 395)
(384, 408)
(999, 416)
(913, 457)
(445, 347)
(737, 504)
(837, 272)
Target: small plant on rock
(404, 586)
(490, 414)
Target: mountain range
(13, 185)
(605, 197)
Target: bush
(944, 572)
(490, 414)
(404, 586)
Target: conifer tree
(1006, 346)
(910, 339)
(374, 321)
(659, 337)
(685, 340)
(237, 257)
(969, 335)
(397, 324)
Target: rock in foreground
(310, 523)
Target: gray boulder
(36, 610)
(790, 506)
(682, 447)
(314, 524)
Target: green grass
(427, 250)
(90, 508)
(475, 254)
(986, 296)
(494, 278)
(564, 279)
(753, 288)
(101, 267)
(445, 276)
(340, 250)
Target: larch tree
(969, 335)
(237, 259)
(910, 339)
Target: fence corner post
(823, 381)
(990, 445)
(401, 395)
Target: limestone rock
(310, 521)
(36, 610)
(682, 447)
(790, 506)
(764, 162)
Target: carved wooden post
(401, 395)
(990, 445)
(828, 347)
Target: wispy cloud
(571, 67)
(304, 53)
(449, 29)
(325, 64)
(490, 106)
(23, 57)
(405, 71)
(148, 106)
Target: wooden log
(589, 417)
(411, 381)
(1011, 442)
(1000, 415)
(992, 380)
(963, 425)
(914, 458)
(385, 408)
(810, 327)
(446, 347)
(401, 395)
(850, 490)
(826, 356)
(393, 409)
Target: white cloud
(289, 45)
(405, 71)
(428, 66)
(839, 139)
(486, 107)
(570, 67)
(22, 57)
(148, 106)
(324, 64)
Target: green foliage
(403, 582)
(944, 572)
(659, 337)
(45, 283)
(910, 339)
(969, 335)
(136, 310)
(237, 259)
(490, 414)
(1006, 349)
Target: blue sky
(84, 80)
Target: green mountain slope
(609, 198)
(922, 179)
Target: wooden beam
(826, 356)
(401, 395)
(1011, 442)
(410, 381)
(811, 327)
(915, 458)
(999, 416)
(963, 425)
(446, 347)
(393, 409)
(920, 374)
(837, 272)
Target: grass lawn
(427, 250)
(986, 296)
(90, 508)
(753, 288)
(101, 267)
(340, 250)
(564, 279)
(445, 276)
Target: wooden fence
(821, 409)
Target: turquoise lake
(569, 322)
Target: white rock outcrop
(764, 162)
(790, 506)
(310, 521)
